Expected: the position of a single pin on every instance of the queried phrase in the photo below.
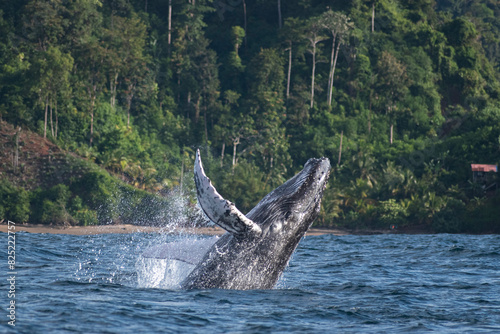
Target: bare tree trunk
(235, 144)
(129, 103)
(92, 91)
(245, 21)
(16, 156)
(313, 73)
(57, 119)
(392, 130)
(370, 115)
(45, 122)
(169, 24)
(197, 110)
(330, 76)
(130, 96)
(206, 123)
(113, 83)
(92, 121)
(333, 73)
(182, 172)
(51, 122)
(373, 16)
(222, 154)
(91, 127)
(279, 14)
(289, 71)
(340, 148)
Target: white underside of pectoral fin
(222, 212)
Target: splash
(165, 266)
(146, 260)
(161, 273)
(140, 260)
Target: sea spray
(171, 213)
(130, 259)
(166, 265)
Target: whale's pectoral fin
(222, 212)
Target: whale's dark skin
(253, 256)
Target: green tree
(53, 68)
(44, 23)
(314, 35)
(14, 84)
(392, 84)
(267, 108)
(125, 58)
(14, 202)
(196, 69)
(339, 26)
(290, 33)
(89, 59)
(233, 127)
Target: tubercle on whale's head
(307, 199)
(292, 207)
(319, 170)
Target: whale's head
(288, 211)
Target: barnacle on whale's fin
(221, 211)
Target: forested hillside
(402, 96)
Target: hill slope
(39, 162)
(41, 183)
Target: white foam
(161, 273)
(165, 266)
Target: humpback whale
(257, 247)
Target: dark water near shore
(382, 283)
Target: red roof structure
(484, 168)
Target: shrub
(99, 191)
(14, 202)
(54, 213)
(50, 206)
(86, 217)
(392, 213)
(451, 218)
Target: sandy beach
(103, 229)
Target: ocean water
(348, 284)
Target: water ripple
(353, 284)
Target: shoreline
(128, 228)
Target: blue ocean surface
(348, 284)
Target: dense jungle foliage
(402, 96)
